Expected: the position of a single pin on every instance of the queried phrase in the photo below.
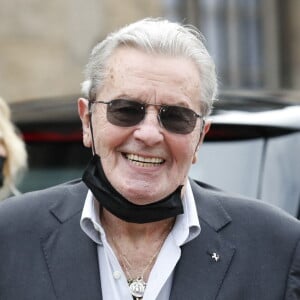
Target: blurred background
(45, 44)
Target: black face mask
(2, 160)
(94, 177)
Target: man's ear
(84, 114)
(205, 129)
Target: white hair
(157, 36)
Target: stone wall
(44, 45)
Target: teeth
(144, 161)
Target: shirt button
(117, 274)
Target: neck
(135, 245)
(133, 232)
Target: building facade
(45, 45)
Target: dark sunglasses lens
(125, 113)
(178, 119)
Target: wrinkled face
(145, 162)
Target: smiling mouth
(142, 161)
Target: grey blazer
(44, 255)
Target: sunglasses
(126, 113)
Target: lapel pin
(215, 256)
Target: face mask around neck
(95, 178)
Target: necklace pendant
(137, 287)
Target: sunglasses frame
(143, 106)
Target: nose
(149, 130)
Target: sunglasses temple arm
(202, 127)
(92, 132)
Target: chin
(141, 196)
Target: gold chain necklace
(137, 286)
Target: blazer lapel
(205, 260)
(71, 257)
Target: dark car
(253, 147)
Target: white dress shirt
(113, 280)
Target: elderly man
(136, 227)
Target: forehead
(134, 71)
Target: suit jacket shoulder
(247, 249)
(44, 254)
(255, 213)
(23, 211)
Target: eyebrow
(140, 100)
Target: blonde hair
(16, 154)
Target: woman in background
(13, 155)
